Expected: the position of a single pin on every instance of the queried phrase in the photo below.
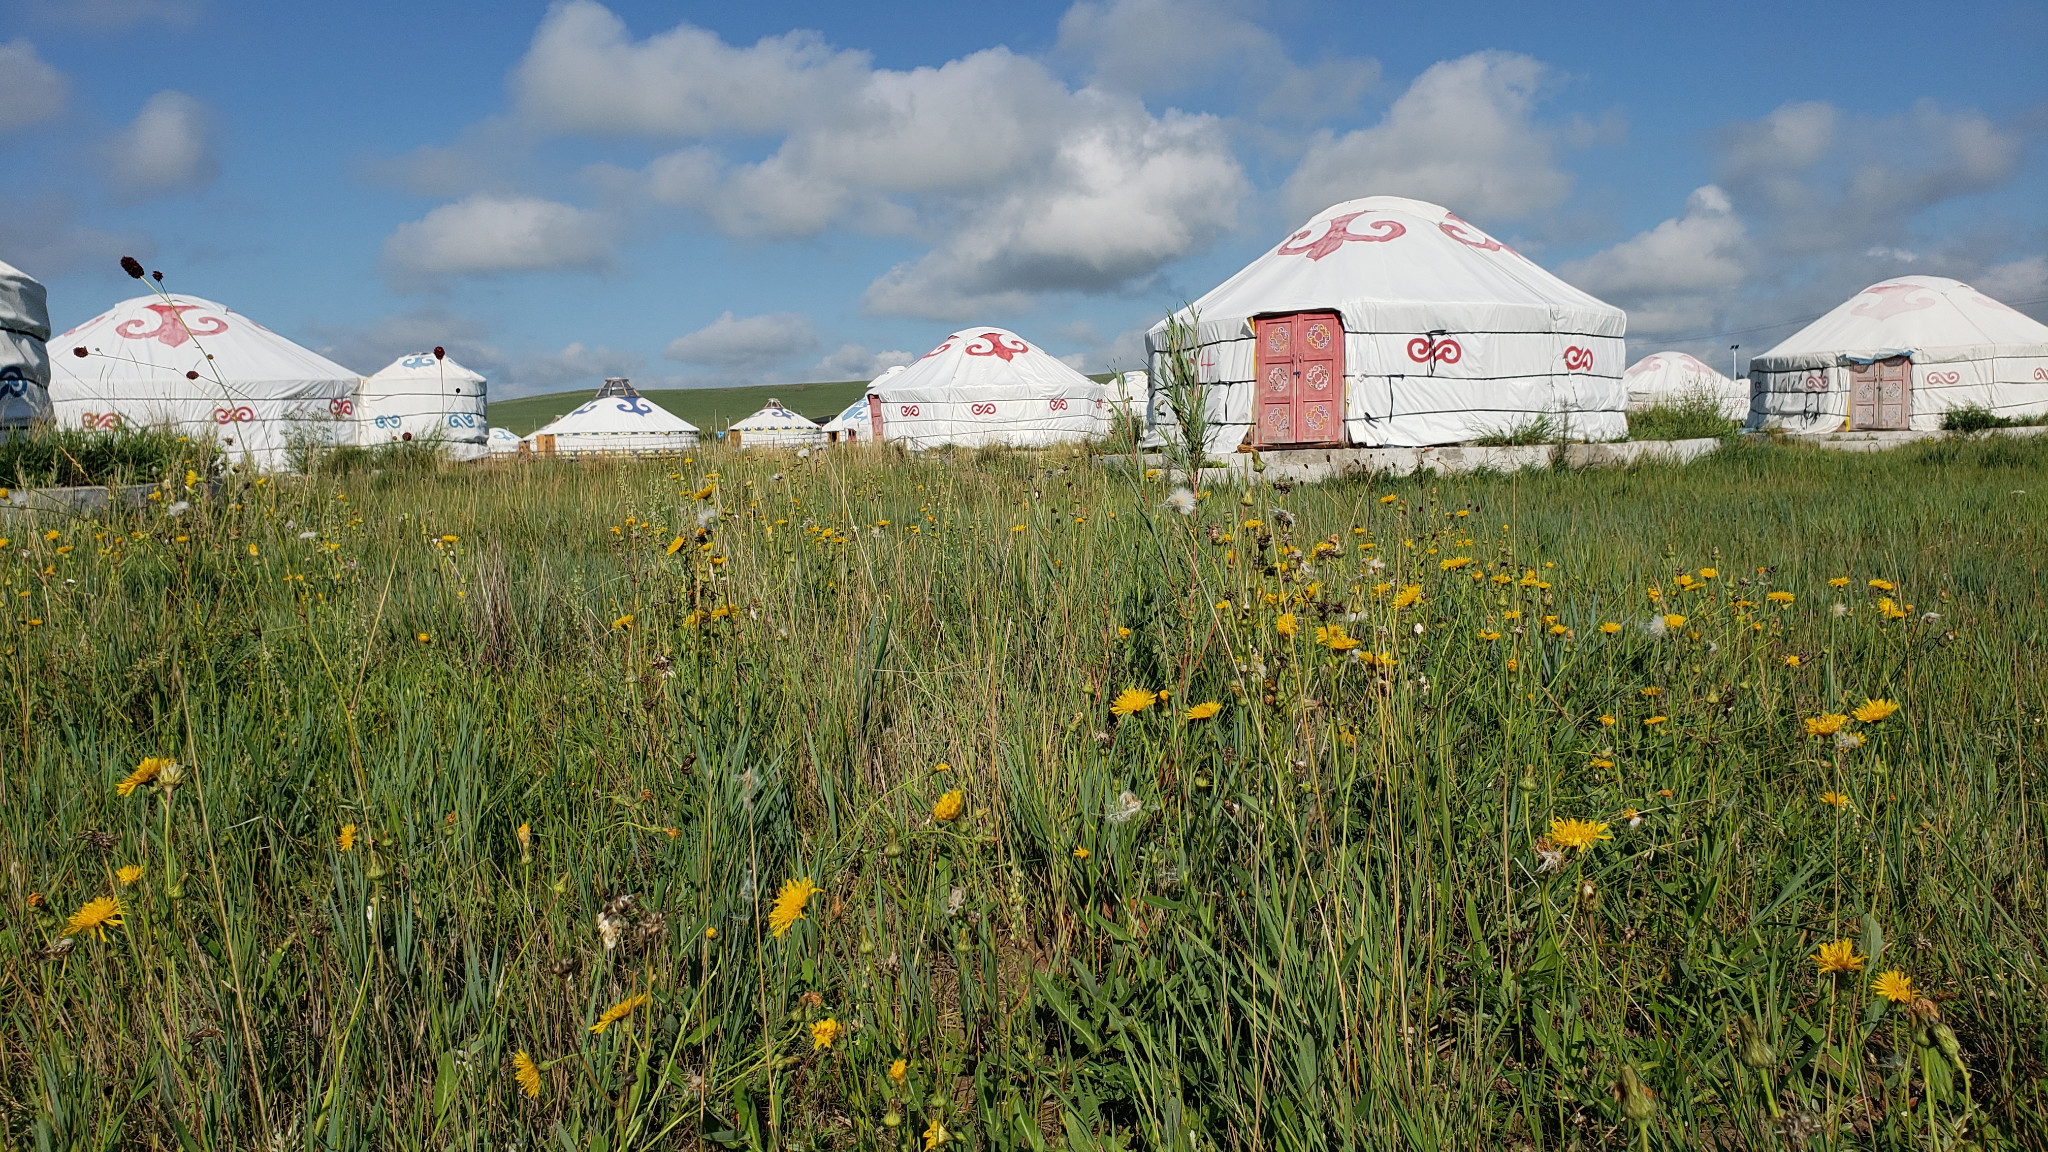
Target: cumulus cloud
(1463, 135)
(166, 150)
(854, 362)
(1172, 46)
(490, 235)
(586, 73)
(370, 345)
(35, 89)
(1675, 275)
(745, 342)
(2022, 279)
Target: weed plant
(984, 801)
(46, 456)
(1684, 418)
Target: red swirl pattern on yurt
(1456, 230)
(982, 409)
(233, 415)
(342, 407)
(173, 328)
(1338, 234)
(1938, 379)
(101, 420)
(1006, 348)
(1884, 301)
(1577, 359)
(1422, 350)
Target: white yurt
(1129, 392)
(424, 396)
(988, 386)
(1673, 377)
(1438, 332)
(617, 420)
(854, 423)
(503, 442)
(1899, 354)
(774, 427)
(197, 366)
(24, 360)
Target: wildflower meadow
(1026, 800)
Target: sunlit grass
(563, 805)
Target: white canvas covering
(24, 359)
(1672, 377)
(1965, 348)
(618, 420)
(196, 366)
(854, 423)
(775, 427)
(1448, 333)
(503, 442)
(988, 385)
(424, 397)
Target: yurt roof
(158, 340)
(24, 303)
(1391, 264)
(1910, 314)
(424, 366)
(617, 415)
(1673, 366)
(985, 359)
(775, 418)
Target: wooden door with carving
(1881, 395)
(1300, 389)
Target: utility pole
(1732, 349)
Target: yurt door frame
(1300, 381)
(1881, 395)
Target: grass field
(710, 409)
(757, 803)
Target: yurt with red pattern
(1390, 322)
(986, 385)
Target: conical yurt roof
(1392, 264)
(1663, 377)
(1910, 314)
(617, 414)
(424, 372)
(985, 359)
(776, 418)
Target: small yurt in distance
(774, 427)
(24, 360)
(618, 420)
(424, 396)
(503, 442)
(854, 423)
(191, 364)
(985, 386)
(1391, 322)
(1898, 355)
(1663, 378)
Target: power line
(1800, 320)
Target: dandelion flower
(625, 621)
(676, 545)
(1884, 586)
(1407, 596)
(1126, 809)
(1872, 711)
(935, 1135)
(347, 840)
(1082, 853)
(1454, 563)
(1654, 628)
(1182, 501)
(1489, 635)
(899, 1069)
(1846, 741)
(1131, 701)
(422, 637)
(1839, 582)
(1674, 620)
(947, 807)
(1389, 498)
(823, 1033)
(1779, 597)
(143, 774)
(790, 902)
(1709, 573)
(1610, 628)
(1578, 834)
(1335, 639)
(1792, 661)
(526, 1074)
(129, 874)
(1653, 721)
(95, 917)
(620, 1011)
(1834, 798)
(1206, 709)
(1608, 721)
(1894, 986)
(1839, 956)
(1285, 625)
(1826, 725)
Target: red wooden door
(1300, 388)
(875, 415)
(1881, 395)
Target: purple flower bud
(131, 266)
(191, 375)
(79, 352)
(440, 353)
(157, 276)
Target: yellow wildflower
(143, 774)
(619, 1011)
(1872, 711)
(1206, 709)
(1708, 573)
(1780, 597)
(676, 545)
(1454, 563)
(1407, 596)
(1578, 834)
(526, 1074)
(1389, 498)
(1839, 956)
(95, 917)
(1894, 986)
(823, 1033)
(1285, 625)
(1826, 725)
(1608, 721)
(1131, 701)
(1839, 582)
(347, 840)
(1884, 585)
(948, 806)
(129, 874)
(1653, 721)
(1674, 620)
(1835, 798)
(1610, 628)
(1489, 634)
(935, 1134)
(625, 621)
(899, 1069)
(1792, 661)
(789, 905)
(1082, 853)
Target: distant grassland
(708, 408)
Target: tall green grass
(1321, 918)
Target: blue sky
(785, 191)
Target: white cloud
(165, 151)
(585, 73)
(1674, 275)
(487, 235)
(1173, 46)
(853, 362)
(1464, 135)
(2022, 279)
(35, 89)
(745, 342)
(369, 346)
